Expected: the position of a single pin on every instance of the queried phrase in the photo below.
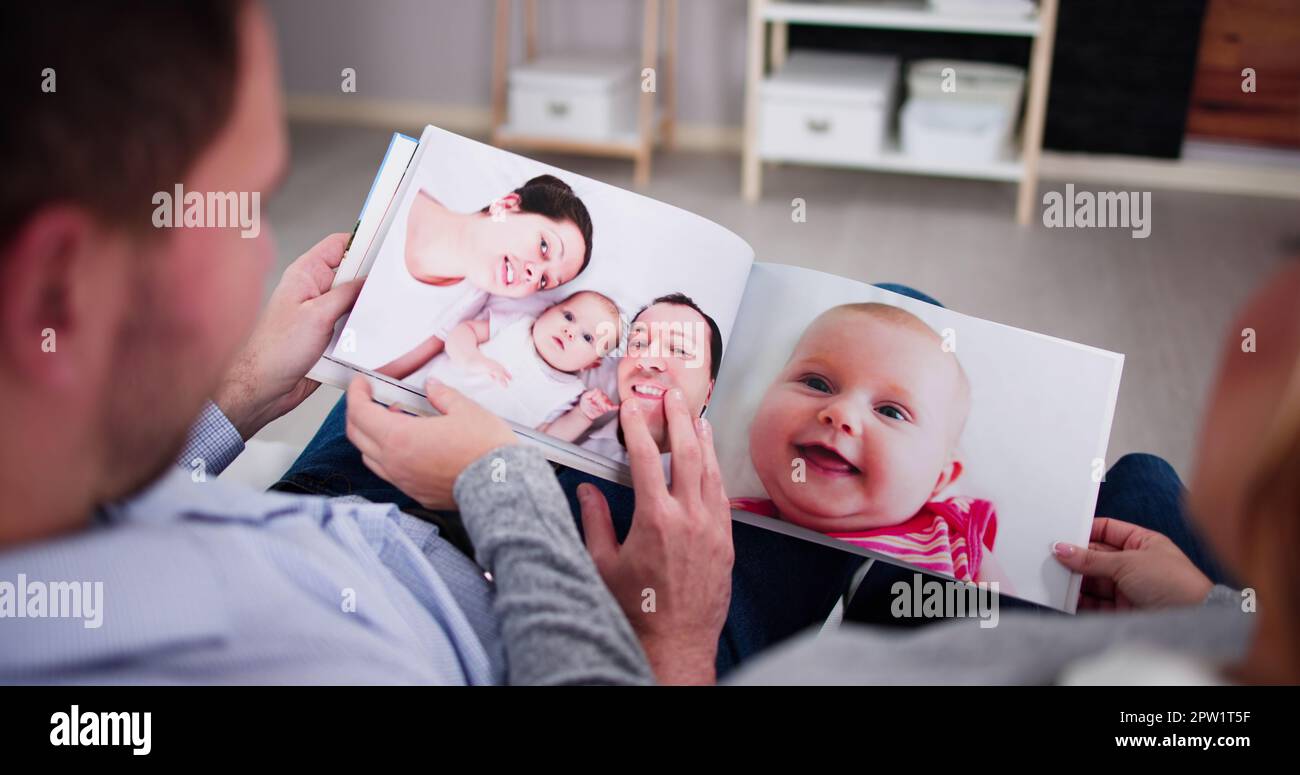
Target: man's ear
(506, 204)
(707, 397)
(950, 473)
(41, 322)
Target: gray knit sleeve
(1223, 596)
(559, 622)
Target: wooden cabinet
(1260, 34)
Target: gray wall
(440, 51)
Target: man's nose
(650, 362)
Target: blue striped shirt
(205, 581)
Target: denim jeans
(780, 585)
(330, 465)
(1139, 488)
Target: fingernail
(677, 394)
(1063, 549)
(584, 492)
(632, 407)
(701, 426)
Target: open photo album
(842, 413)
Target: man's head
(672, 344)
(873, 406)
(113, 331)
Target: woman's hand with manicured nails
(422, 456)
(1127, 566)
(672, 576)
(269, 376)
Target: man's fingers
(359, 388)
(330, 249)
(684, 444)
(362, 436)
(445, 399)
(319, 263)
(339, 299)
(642, 452)
(597, 527)
(373, 420)
(363, 441)
(715, 496)
(374, 465)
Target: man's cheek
(236, 282)
(624, 374)
(187, 277)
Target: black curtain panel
(1121, 73)
(1122, 76)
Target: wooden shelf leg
(500, 58)
(530, 30)
(751, 170)
(649, 58)
(778, 45)
(1040, 74)
(668, 76)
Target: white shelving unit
(768, 35)
(652, 121)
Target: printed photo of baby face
(860, 428)
(576, 333)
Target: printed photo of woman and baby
(524, 287)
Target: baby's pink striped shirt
(948, 536)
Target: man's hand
(678, 553)
(422, 456)
(268, 377)
(1127, 566)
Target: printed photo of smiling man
(672, 345)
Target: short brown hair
(141, 88)
(715, 333)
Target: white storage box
(972, 81)
(827, 108)
(955, 132)
(972, 123)
(579, 98)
